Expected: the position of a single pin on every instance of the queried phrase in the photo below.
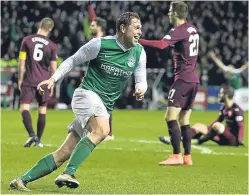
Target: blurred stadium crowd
(223, 28)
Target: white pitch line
(203, 150)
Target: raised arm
(243, 68)
(91, 12)
(217, 61)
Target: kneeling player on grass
(112, 61)
(230, 135)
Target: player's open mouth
(136, 37)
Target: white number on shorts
(38, 52)
(171, 93)
(193, 48)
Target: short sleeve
(174, 35)
(23, 50)
(23, 46)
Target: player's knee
(42, 110)
(24, 107)
(218, 127)
(184, 117)
(101, 132)
(200, 128)
(170, 117)
(184, 121)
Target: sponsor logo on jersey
(106, 56)
(110, 69)
(131, 62)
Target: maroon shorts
(182, 94)
(28, 93)
(226, 139)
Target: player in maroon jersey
(37, 61)
(184, 39)
(233, 115)
(230, 135)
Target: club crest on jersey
(131, 62)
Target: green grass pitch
(129, 164)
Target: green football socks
(43, 167)
(83, 149)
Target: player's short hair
(227, 90)
(46, 23)
(125, 19)
(180, 8)
(101, 23)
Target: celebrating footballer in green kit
(112, 61)
(232, 75)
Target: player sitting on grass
(230, 135)
(113, 59)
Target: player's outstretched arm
(230, 69)
(173, 36)
(86, 53)
(243, 68)
(160, 44)
(217, 61)
(141, 77)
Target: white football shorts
(85, 104)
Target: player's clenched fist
(139, 94)
(47, 83)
